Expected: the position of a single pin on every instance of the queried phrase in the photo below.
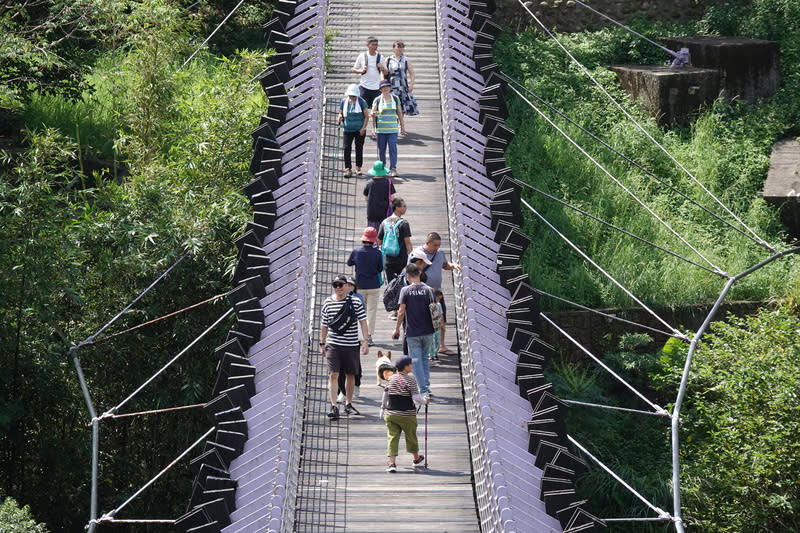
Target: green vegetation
(738, 437)
(739, 434)
(14, 519)
(116, 162)
(727, 148)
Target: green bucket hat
(378, 169)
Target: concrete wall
(567, 16)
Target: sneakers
(350, 410)
(356, 391)
(419, 462)
(392, 468)
(358, 172)
(393, 173)
(334, 413)
(348, 173)
(341, 398)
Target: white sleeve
(359, 61)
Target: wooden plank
(439, 498)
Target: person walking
(372, 67)
(352, 290)
(387, 122)
(415, 300)
(353, 117)
(400, 414)
(401, 75)
(439, 262)
(368, 262)
(378, 193)
(342, 315)
(394, 264)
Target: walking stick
(426, 436)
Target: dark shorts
(342, 358)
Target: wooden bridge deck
(367, 497)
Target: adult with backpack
(394, 237)
(387, 123)
(401, 76)
(378, 193)
(372, 68)
(342, 315)
(432, 251)
(353, 117)
(415, 308)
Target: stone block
(782, 188)
(670, 94)
(748, 68)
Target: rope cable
(616, 180)
(647, 171)
(164, 317)
(656, 408)
(91, 338)
(163, 368)
(675, 333)
(643, 130)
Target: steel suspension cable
(91, 338)
(675, 332)
(657, 409)
(159, 319)
(163, 368)
(647, 171)
(663, 515)
(605, 315)
(211, 35)
(617, 181)
(624, 27)
(109, 516)
(588, 74)
(617, 228)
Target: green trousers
(408, 425)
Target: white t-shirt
(371, 79)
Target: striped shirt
(330, 307)
(402, 385)
(387, 121)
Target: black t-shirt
(377, 191)
(403, 231)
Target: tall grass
(726, 147)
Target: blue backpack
(391, 242)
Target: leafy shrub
(15, 519)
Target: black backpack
(344, 318)
(391, 296)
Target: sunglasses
(338, 285)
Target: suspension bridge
(500, 456)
